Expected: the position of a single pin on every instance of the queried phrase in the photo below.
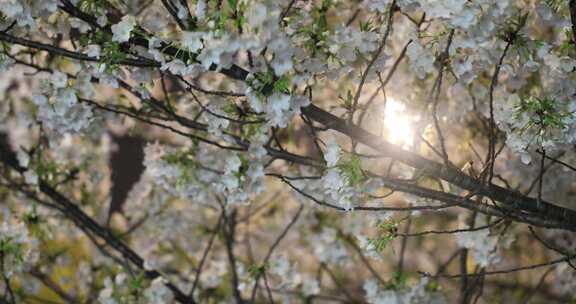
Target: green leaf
(249, 130)
(257, 270)
(244, 166)
(185, 161)
(352, 170)
(399, 281)
(544, 116)
(282, 85)
(136, 283)
(556, 5)
(232, 3)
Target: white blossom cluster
(565, 283)
(335, 185)
(117, 291)
(30, 175)
(18, 248)
(367, 241)
(484, 244)
(169, 176)
(280, 108)
(421, 59)
(328, 247)
(121, 31)
(218, 49)
(524, 133)
(239, 181)
(25, 12)
(416, 294)
(348, 41)
(158, 292)
(5, 63)
(59, 109)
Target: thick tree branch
(572, 7)
(73, 55)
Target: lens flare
(398, 124)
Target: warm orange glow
(398, 124)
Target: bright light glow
(398, 124)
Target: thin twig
(504, 271)
(205, 256)
(273, 247)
